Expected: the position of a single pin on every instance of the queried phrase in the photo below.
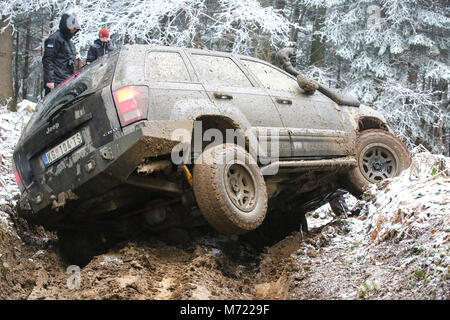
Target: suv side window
(271, 78)
(166, 66)
(220, 71)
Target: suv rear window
(91, 78)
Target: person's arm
(48, 61)
(92, 54)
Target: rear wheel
(230, 189)
(380, 156)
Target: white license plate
(62, 149)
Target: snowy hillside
(396, 243)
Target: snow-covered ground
(395, 245)
(409, 204)
(11, 126)
(402, 207)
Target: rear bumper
(100, 170)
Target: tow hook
(89, 166)
(62, 199)
(107, 153)
(38, 199)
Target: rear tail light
(17, 178)
(131, 103)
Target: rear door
(172, 85)
(231, 89)
(313, 121)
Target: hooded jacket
(59, 52)
(99, 49)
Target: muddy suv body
(100, 147)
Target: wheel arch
(369, 118)
(224, 123)
(368, 122)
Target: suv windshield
(91, 78)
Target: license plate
(62, 149)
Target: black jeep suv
(148, 135)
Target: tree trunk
(263, 50)
(317, 56)
(443, 89)
(338, 78)
(16, 68)
(423, 81)
(297, 16)
(6, 58)
(279, 5)
(26, 63)
(441, 134)
(413, 69)
(413, 72)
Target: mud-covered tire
(380, 155)
(223, 180)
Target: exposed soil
(210, 267)
(327, 263)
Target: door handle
(222, 96)
(283, 101)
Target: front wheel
(380, 156)
(230, 189)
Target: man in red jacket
(101, 46)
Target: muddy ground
(324, 264)
(211, 266)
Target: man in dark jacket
(60, 53)
(100, 47)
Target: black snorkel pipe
(287, 58)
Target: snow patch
(406, 206)
(11, 126)
(111, 261)
(26, 105)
